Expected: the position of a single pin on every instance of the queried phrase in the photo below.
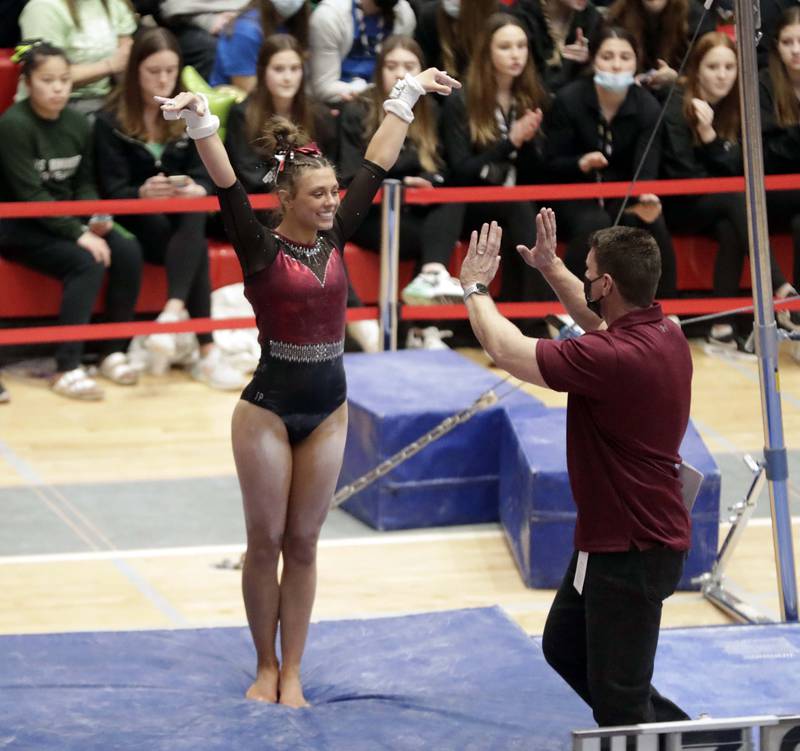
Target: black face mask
(593, 305)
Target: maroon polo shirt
(629, 394)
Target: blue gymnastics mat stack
(507, 464)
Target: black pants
(198, 47)
(603, 642)
(178, 242)
(783, 209)
(426, 232)
(82, 276)
(724, 216)
(578, 219)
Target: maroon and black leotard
(298, 293)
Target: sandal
(76, 384)
(116, 368)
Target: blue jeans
(603, 642)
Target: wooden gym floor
(122, 515)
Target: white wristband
(197, 126)
(399, 108)
(407, 90)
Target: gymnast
(289, 427)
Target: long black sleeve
(250, 239)
(356, 203)
(115, 176)
(249, 166)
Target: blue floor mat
(459, 680)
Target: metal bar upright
(765, 327)
(390, 255)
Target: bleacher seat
(9, 75)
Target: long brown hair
(270, 20)
(787, 106)
(673, 29)
(526, 90)
(726, 111)
(422, 132)
(457, 35)
(126, 101)
(260, 106)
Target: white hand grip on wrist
(197, 126)
(403, 97)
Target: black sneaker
(4, 396)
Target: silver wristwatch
(476, 288)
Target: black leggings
(82, 276)
(427, 233)
(578, 219)
(178, 243)
(724, 216)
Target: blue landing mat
(460, 680)
(465, 680)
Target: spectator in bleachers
(559, 33)
(279, 90)
(491, 136)
(141, 155)
(46, 156)
(701, 139)
(239, 44)
(345, 37)
(598, 131)
(447, 29)
(662, 29)
(197, 25)
(780, 124)
(96, 36)
(425, 231)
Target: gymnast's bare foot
(265, 687)
(291, 694)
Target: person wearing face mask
(701, 139)
(240, 43)
(447, 30)
(629, 384)
(559, 33)
(345, 39)
(598, 130)
(779, 91)
(662, 29)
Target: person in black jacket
(780, 125)
(490, 133)
(701, 139)
(663, 29)
(279, 90)
(426, 231)
(140, 156)
(598, 131)
(447, 29)
(558, 31)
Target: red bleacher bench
(28, 294)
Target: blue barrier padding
(453, 681)
(537, 511)
(396, 397)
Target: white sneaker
(367, 334)
(163, 346)
(427, 338)
(431, 287)
(215, 371)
